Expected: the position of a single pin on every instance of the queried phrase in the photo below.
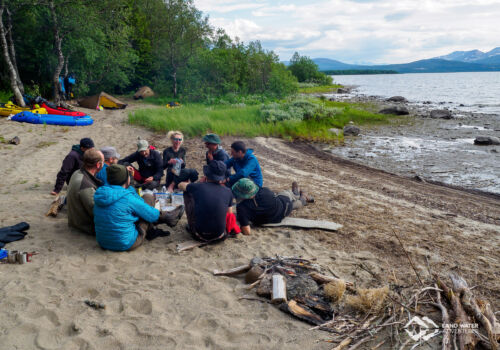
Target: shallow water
(435, 149)
(476, 91)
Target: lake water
(477, 91)
(436, 149)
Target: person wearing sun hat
(208, 204)
(214, 148)
(260, 205)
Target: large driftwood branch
(446, 320)
(470, 305)
(465, 340)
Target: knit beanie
(117, 174)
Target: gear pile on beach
(409, 315)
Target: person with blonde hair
(174, 162)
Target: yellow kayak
(9, 108)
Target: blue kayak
(52, 119)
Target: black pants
(185, 175)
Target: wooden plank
(306, 223)
(187, 245)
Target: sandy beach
(156, 298)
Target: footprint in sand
(49, 315)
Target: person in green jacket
(81, 189)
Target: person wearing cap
(245, 164)
(71, 163)
(122, 218)
(208, 203)
(110, 157)
(81, 189)
(174, 162)
(260, 205)
(214, 149)
(150, 165)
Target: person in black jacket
(174, 161)
(260, 205)
(71, 163)
(150, 165)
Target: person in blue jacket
(121, 217)
(244, 163)
(110, 157)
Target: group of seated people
(102, 199)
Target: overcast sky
(360, 31)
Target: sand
(156, 298)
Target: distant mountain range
(458, 61)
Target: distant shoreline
(358, 72)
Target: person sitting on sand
(262, 206)
(208, 203)
(71, 163)
(174, 161)
(150, 165)
(244, 163)
(110, 157)
(122, 218)
(81, 189)
(215, 150)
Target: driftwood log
(322, 279)
(234, 271)
(472, 308)
(465, 340)
(279, 289)
(56, 206)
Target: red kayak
(62, 111)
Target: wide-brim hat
(245, 188)
(212, 138)
(215, 170)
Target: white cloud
(380, 31)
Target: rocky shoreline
(432, 141)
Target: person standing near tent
(62, 90)
(71, 163)
(69, 83)
(150, 170)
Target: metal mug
(21, 258)
(12, 258)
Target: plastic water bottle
(164, 189)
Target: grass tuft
(301, 118)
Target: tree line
(120, 45)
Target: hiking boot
(308, 198)
(295, 188)
(171, 218)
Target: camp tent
(143, 92)
(102, 99)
